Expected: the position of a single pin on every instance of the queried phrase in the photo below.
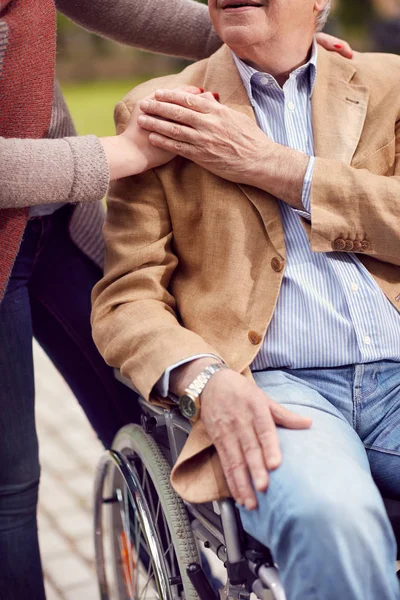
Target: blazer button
(357, 245)
(349, 245)
(277, 264)
(255, 338)
(339, 244)
(365, 245)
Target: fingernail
(144, 105)
(141, 119)
(216, 96)
(273, 462)
(338, 46)
(250, 504)
(160, 93)
(202, 90)
(260, 484)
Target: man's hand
(223, 141)
(241, 422)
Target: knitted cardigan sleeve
(46, 171)
(177, 27)
(75, 169)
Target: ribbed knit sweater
(75, 170)
(64, 168)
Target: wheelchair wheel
(143, 538)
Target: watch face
(187, 406)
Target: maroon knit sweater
(27, 59)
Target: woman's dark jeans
(48, 296)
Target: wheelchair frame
(249, 564)
(216, 525)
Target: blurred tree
(356, 13)
(386, 29)
(68, 33)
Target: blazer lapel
(339, 111)
(339, 108)
(222, 76)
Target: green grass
(92, 104)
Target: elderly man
(258, 279)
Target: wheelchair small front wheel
(143, 538)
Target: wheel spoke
(169, 542)
(130, 549)
(149, 577)
(168, 550)
(156, 514)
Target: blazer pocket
(382, 161)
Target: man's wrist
(281, 172)
(183, 376)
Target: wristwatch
(189, 402)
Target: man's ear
(320, 5)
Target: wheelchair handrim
(115, 460)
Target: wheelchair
(151, 545)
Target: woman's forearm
(177, 27)
(36, 172)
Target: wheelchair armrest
(125, 380)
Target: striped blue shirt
(330, 311)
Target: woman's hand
(334, 44)
(131, 152)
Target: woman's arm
(76, 169)
(177, 27)
(36, 172)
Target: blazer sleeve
(355, 204)
(176, 27)
(135, 318)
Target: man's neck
(277, 61)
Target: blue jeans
(322, 516)
(48, 296)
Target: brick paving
(69, 451)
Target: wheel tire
(133, 440)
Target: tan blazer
(194, 263)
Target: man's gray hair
(323, 16)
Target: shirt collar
(252, 78)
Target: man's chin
(237, 37)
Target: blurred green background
(92, 86)
(91, 103)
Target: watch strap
(197, 386)
(195, 389)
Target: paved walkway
(69, 453)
